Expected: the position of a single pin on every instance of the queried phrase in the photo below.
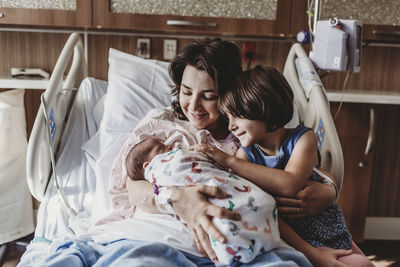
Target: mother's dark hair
(220, 59)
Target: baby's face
(156, 147)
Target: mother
(201, 72)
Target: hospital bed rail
(56, 101)
(313, 107)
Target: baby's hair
(135, 159)
(261, 94)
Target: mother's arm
(309, 201)
(192, 206)
(141, 195)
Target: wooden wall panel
(267, 52)
(384, 194)
(352, 125)
(30, 50)
(32, 103)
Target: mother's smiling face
(198, 98)
(201, 72)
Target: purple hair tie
(155, 189)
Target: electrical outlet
(249, 51)
(170, 46)
(143, 47)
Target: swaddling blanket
(258, 228)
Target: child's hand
(220, 157)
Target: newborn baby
(258, 229)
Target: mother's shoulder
(165, 113)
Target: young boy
(281, 160)
(163, 166)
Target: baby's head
(141, 155)
(260, 94)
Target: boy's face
(249, 132)
(157, 147)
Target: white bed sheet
(74, 167)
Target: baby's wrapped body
(258, 229)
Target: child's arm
(309, 201)
(286, 182)
(328, 179)
(318, 257)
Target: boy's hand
(220, 157)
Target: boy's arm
(286, 182)
(329, 180)
(310, 200)
(318, 257)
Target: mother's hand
(309, 201)
(192, 206)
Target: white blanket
(75, 173)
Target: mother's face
(198, 98)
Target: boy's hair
(261, 94)
(135, 159)
(220, 59)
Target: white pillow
(135, 85)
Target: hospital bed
(78, 133)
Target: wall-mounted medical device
(337, 45)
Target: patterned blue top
(327, 228)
